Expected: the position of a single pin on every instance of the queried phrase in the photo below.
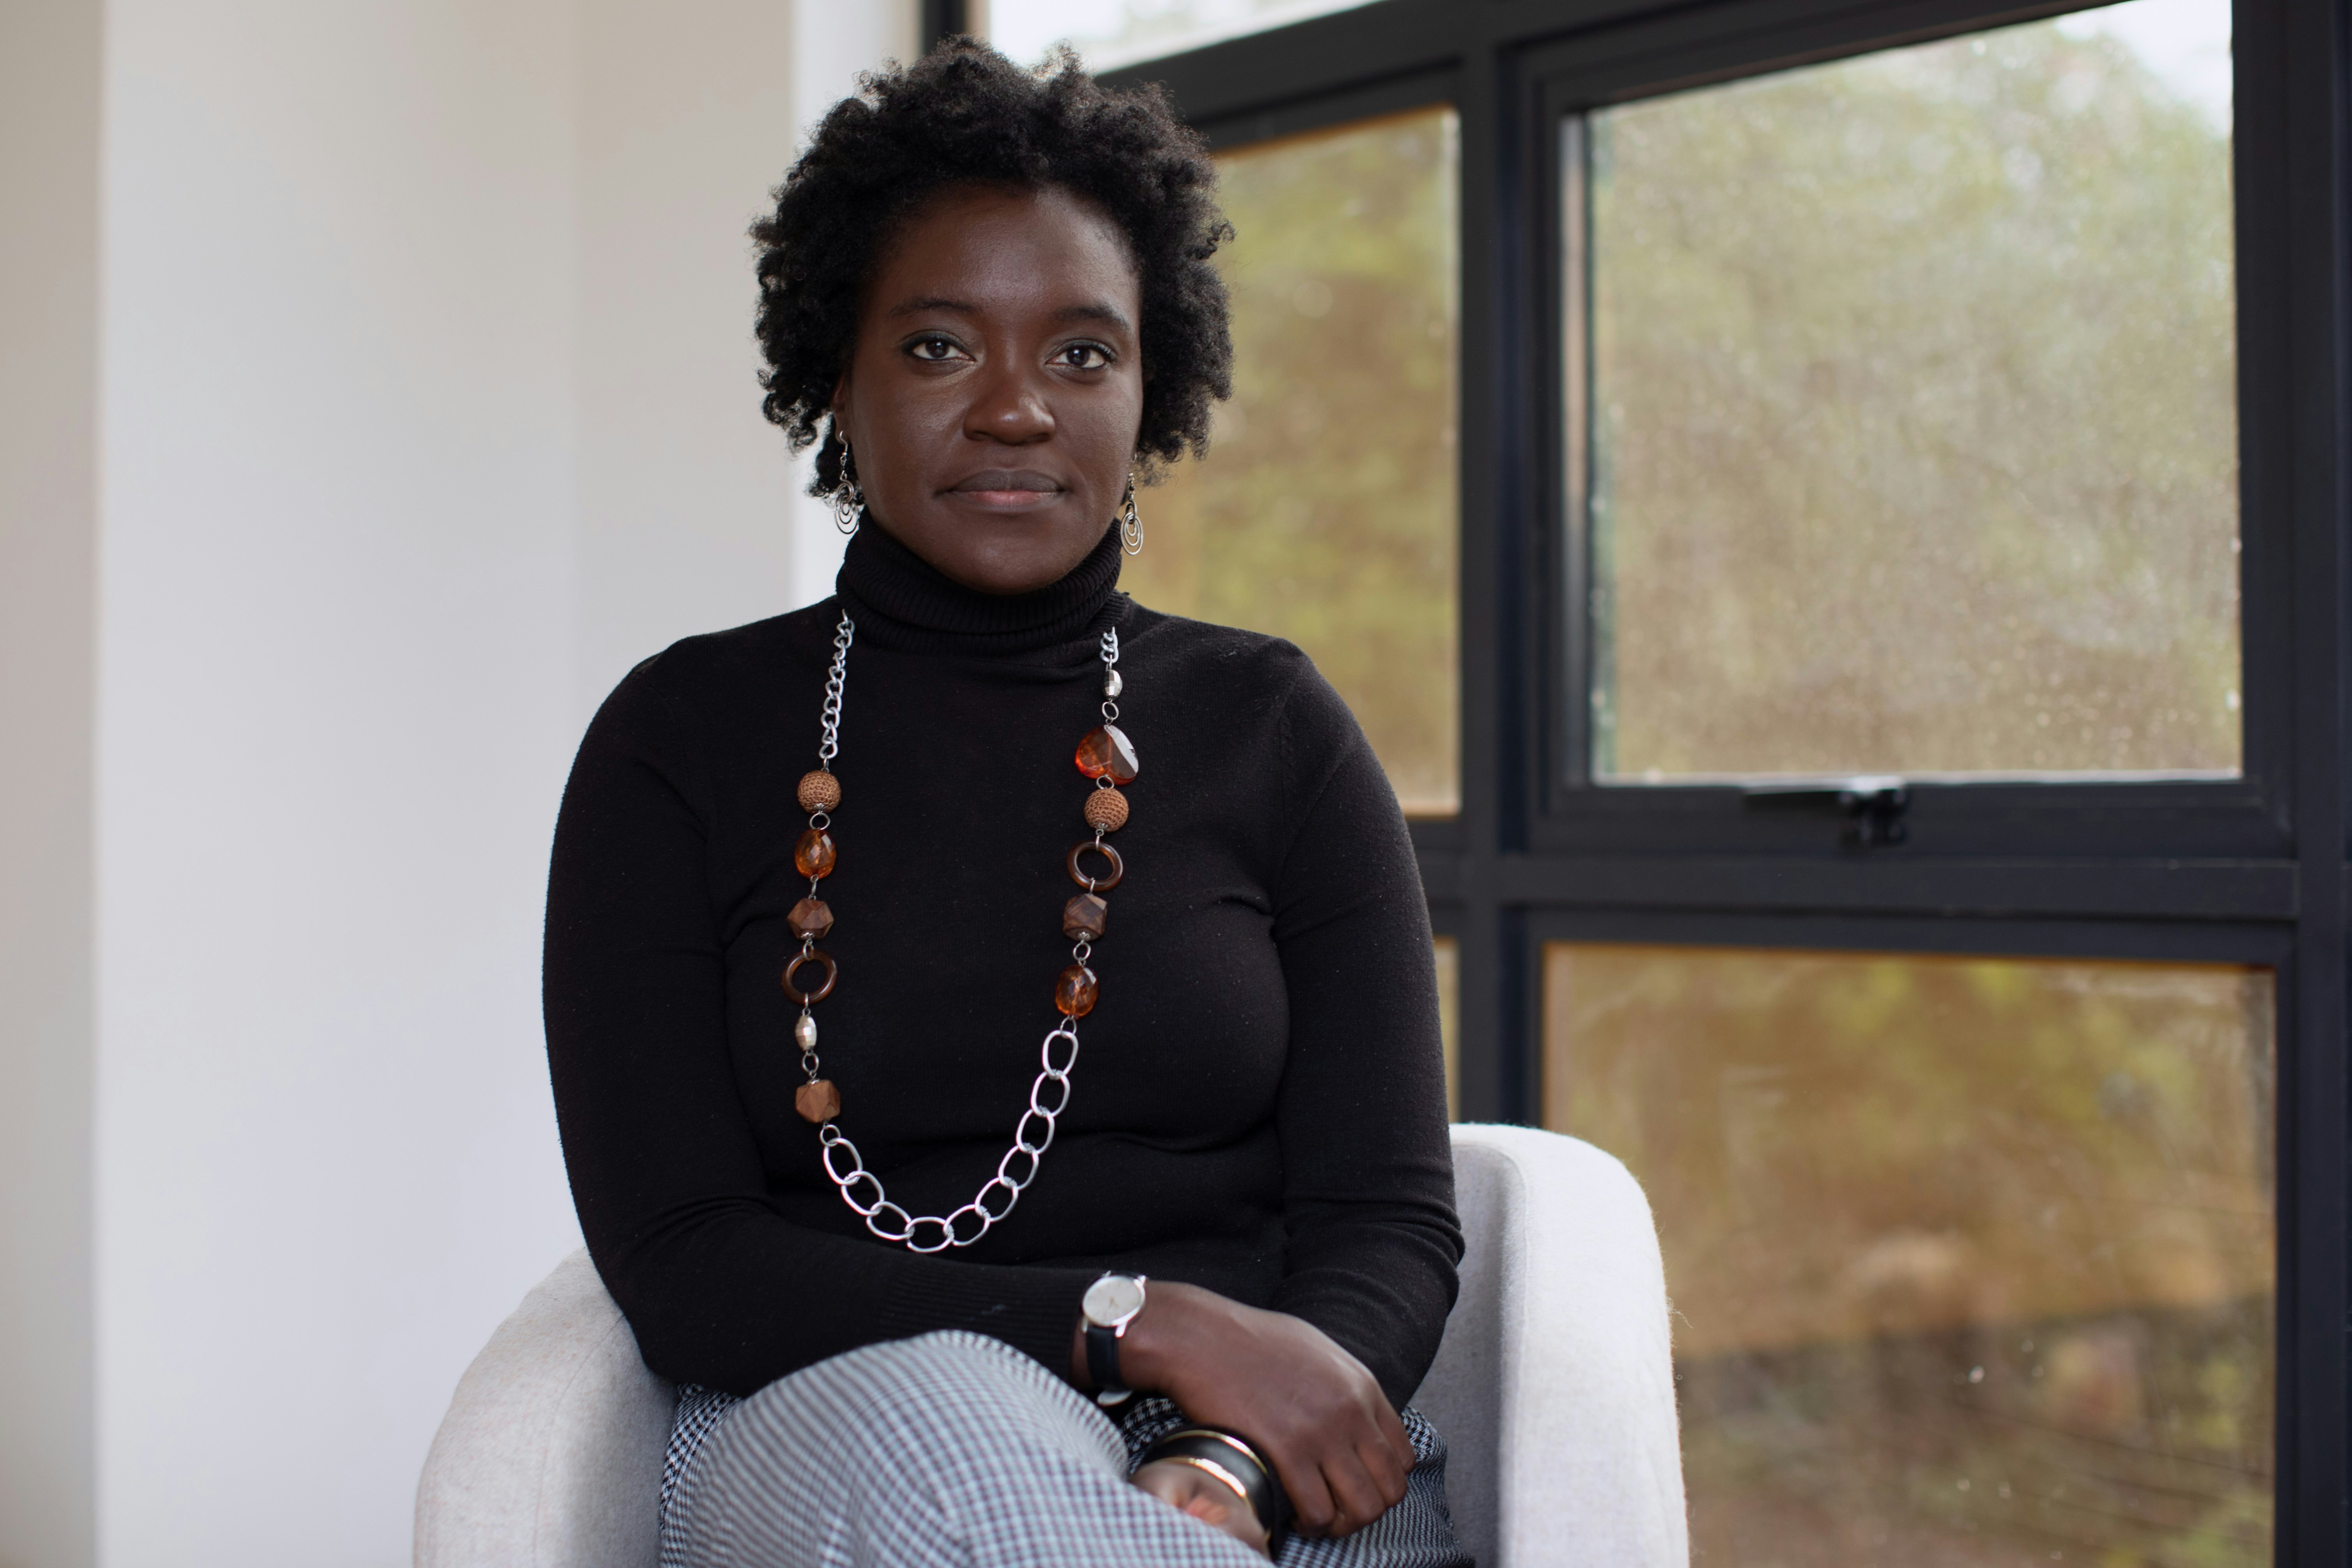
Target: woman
(989, 293)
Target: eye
(934, 348)
(1084, 356)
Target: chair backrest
(1553, 1385)
(551, 1456)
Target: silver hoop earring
(1130, 527)
(847, 500)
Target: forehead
(1008, 249)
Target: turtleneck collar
(901, 601)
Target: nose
(1008, 405)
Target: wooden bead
(819, 1102)
(811, 918)
(1107, 811)
(819, 791)
(815, 854)
(1084, 917)
(1075, 991)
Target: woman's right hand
(1311, 1408)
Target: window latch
(1871, 805)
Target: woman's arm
(1372, 1239)
(664, 1168)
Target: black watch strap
(1102, 1363)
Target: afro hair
(964, 114)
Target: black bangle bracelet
(1233, 1455)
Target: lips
(1007, 481)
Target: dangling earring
(1130, 527)
(847, 500)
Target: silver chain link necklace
(1104, 755)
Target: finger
(1354, 1493)
(1380, 1461)
(1400, 1441)
(1311, 1507)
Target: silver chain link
(883, 1217)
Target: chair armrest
(1554, 1385)
(550, 1455)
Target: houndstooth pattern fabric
(954, 1450)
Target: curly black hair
(964, 114)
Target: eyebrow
(1108, 314)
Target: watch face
(1112, 1300)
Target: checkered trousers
(955, 1450)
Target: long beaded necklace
(1105, 755)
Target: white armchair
(1554, 1386)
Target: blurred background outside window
(1112, 32)
(1972, 1259)
(1914, 412)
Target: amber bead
(1107, 811)
(814, 855)
(819, 1102)
(811, 918)
(1074, 992)
(1108, 752)
(1084, 917)
(819, 791)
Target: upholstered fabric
(1554, 1387)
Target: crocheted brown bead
(814, 855)
(1075, 991)
(811, 918)
(819, 791)
(1107, 810)
(1084, 917)
(819, 1102)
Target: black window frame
(2256, 870)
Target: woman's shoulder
(712, 665)
(1257, 669)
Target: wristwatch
(1112, 1303)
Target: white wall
(49, 478)
(425, 407)
(336, 704)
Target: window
(1112, 32)
(1898, 768)
(1971, 1259)
(1914, 412)
(1325, 511)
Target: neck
(901, 601)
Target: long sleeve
(1368, 1188)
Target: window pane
(1912, 412)
(1325, 510)
(1972, 1261)
(1112, 32)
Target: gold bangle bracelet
(1229, 1440)
(1216, 1469)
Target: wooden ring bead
(832, 973)
(1097, 884)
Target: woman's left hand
(1190, 1490)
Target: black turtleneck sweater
(1258, 1106)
